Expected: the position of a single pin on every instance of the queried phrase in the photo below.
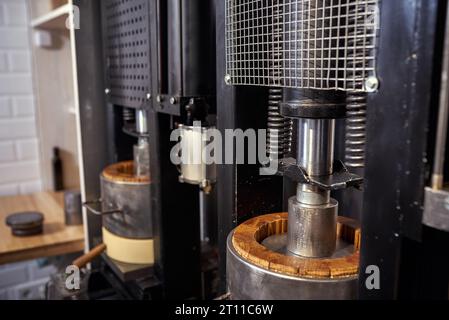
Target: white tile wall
(9, 190)
(20, 61)
(7, 152)
(16, 13)
(27, 149)
(3, 62)
(5, 107)
(23, 106)
(30, 187)
(2, 16)
(19, 144)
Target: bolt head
(371, 84)
(228, 79)
(173, 100)
(107, 91)
(159, 98)
(148, 96)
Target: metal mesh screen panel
(127, 49)
(315, 44)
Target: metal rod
(141, 150)
(312, 214)
(141, 121)
(315, 153)
(316, 146)
(440, 148)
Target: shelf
(54, 20)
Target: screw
(148, 96)
(107, 91)
(371, 84)
(228, 79)
(159, 98)
(173, 100)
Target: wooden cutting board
(57, 238)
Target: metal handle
(440, 146)
(88, 206)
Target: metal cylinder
(141, 121)
(122, 190)
(312, 215)
(247, 281)
(194, 169)
(315, 146)
(142, 157)
(312, 230)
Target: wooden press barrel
(128, 233)
(257, 272)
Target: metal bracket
(133, 133)
(340, 179)
(436, 209)
(173, 105)
(99, 212)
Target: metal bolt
(228, 79)
(107, 91)
(371, 84)
(159, 98)
(173, 100)
(148, 96)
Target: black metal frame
(177, 66)
(399, 128)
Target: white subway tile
(5, 107)
(27, 149)
(16, 172)
(15, 13)
(3, 62)
(16, 84)
(9, 190)
(2, 15)
(7, 152)
(17, 128)
(16, 37)
(23, 106)
(19, 61)
(30, 187)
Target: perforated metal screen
(316, 44)
(127, 50)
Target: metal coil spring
(356, 102)
(280, 129)
(355, 130)
(129, 115)
(279, 138)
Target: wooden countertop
(57, 238)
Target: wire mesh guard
(127, 50)
(313, 44)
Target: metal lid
(25, 223)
